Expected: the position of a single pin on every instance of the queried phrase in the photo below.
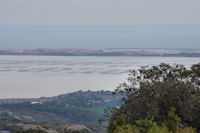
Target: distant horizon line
(99, 48)
(100, 25)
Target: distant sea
(100, 37)
(36, 76)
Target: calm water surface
(36, 76)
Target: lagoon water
(36, 76)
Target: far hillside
(82, 107)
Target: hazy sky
(155, 23)
(157, 36)
(99, 12)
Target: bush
(150, 126)
(157, 129)
(173, 120)
(123, 129)
(186, 130)
(143, 126)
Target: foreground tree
(150, 126)
(152, 91)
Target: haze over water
(36, 76)
(100, 37)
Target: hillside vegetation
(82, 107)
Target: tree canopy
(153, 90)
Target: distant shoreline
(99, 52)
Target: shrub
(173, 120)
(186, 130)
(124, 129)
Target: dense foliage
(149, 125)
(152, 91)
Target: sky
(101, 37)
(99, 12)
(171, 24)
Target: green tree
(151, 91)
(157, 129)
(124, 129)
(143, 126)
(173, 120)
(150, 126)
(117, 124)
